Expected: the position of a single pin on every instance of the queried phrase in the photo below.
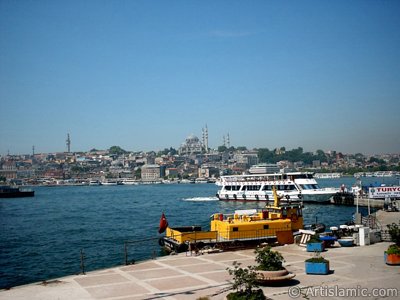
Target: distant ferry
(129, 181)
(14, 192)
(327, 175)
(109, 182)
(293, 186)
(377, 174)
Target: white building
(264, 169)
(150, 172)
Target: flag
(163, 224)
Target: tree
(138, 173)
(116, 150)
(265, 155)
(222, 149)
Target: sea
(66, 230)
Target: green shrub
(317, 258)
(314, 239)
(256, 295)
(394, 232)
(245, 283)
(268, 260)
(393, 249)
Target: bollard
(126, 253)
(83, 262)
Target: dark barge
(14, 192)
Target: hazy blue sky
(144, 75)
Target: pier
(191, 276)
(350, 200)
(373, 203)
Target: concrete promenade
(190, 277)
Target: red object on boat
(163, 224)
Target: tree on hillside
(265, 155)
(222, 149)
(116, 150)
(241, 148)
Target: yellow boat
(275, 222)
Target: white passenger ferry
(294, 186)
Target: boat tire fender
(161, 242)
(300, 196)
(287, 197)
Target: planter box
(317, 268)
(392, 259)
(315, 247)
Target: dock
(364, 202)
(194, 275)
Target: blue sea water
(42, 237)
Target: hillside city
(192, 161)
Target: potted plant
(270, 266)
(317, 265)
(392, 254)
(244, 283)
(314, 244)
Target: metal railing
(151, 245)
(371, 222)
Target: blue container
(346, 242)
(317, 268)
(315, 247)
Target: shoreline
(186, 276)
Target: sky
(144, 75)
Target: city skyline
(145, 75)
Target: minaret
(205, 138)
(68, 143)
(33, 150)
(228, 141)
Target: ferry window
(266, 226)
(266, 188)
(309, 186)
(244, 188)
(235, 228)
(228, 188)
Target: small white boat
(94, 182)
(129, 181)
(109, 182)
